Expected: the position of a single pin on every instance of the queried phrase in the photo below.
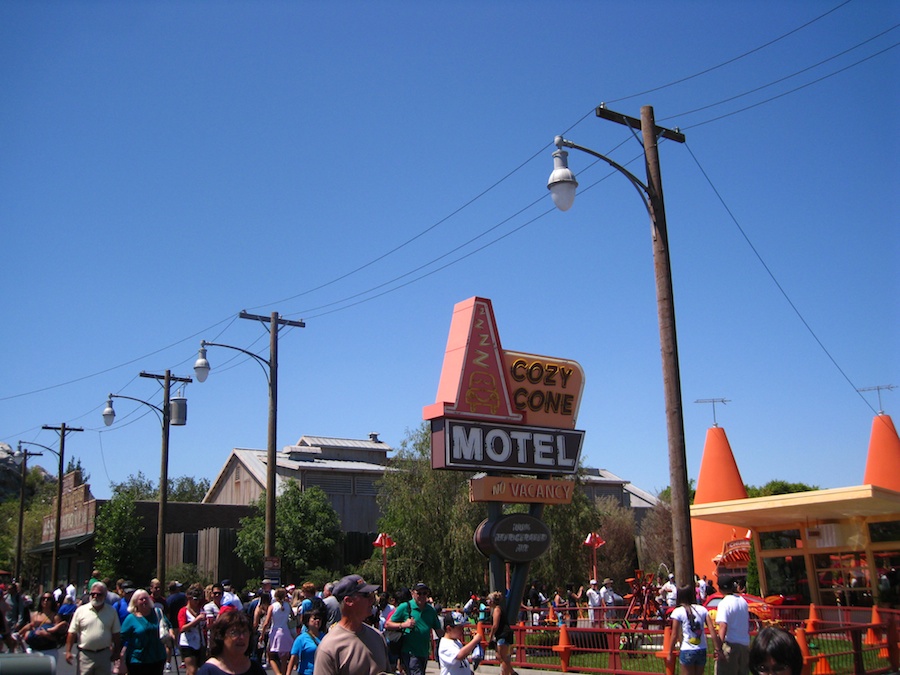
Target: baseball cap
(726, 581)
(593, 582)
(449, 621)
(421, 586)
(351, 584)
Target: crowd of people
(345, 628)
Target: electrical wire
(774, 279)
(731, 60)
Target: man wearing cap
(95, 629)
(667, 593)
(229, 597)
(733, 635)
(453, 655)
(417, 620)
(352, 647)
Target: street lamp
(594, 541)
(54, 565)
(173, 412)
(24, 454)
(562, 186)
(384, 542)
(270, 368)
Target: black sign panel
(516, 537)
(507, 448)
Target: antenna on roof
(878, 389)
(723, 401)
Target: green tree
(307, 531)
(181, 489)
(617, 558)
(657, 547)
(117, 536)
(139, 488)
(568, 561)
(429, 515)
(778, 487)
(75, 465)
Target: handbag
(394, 638)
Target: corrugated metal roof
(327, 442)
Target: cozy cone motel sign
(505, 413)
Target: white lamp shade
(201, 366)
(109, 415)
(562, 181)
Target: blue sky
(168, 164)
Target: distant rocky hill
(11, 473)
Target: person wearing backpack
(689, 621)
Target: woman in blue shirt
(144, 653)
(303, 651)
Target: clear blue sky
(164, 165)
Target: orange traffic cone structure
(551, 616)
(812, 623)
(564, 648)
(667, 655)
(873, 635)
(884, 454)
(808, 658)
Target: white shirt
(735, 613)
(593, 596)
(450, 665)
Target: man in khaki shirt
(95, 630)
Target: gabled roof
(306, 459)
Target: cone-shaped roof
(883, 462)
(719, 480)
(719, 477)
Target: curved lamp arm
(201, 365)
(40, 446)
(562, 181)
(109, 414)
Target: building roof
(760, 512)
(312, 453)
(639, 499)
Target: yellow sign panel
(545, 390)
(520, 490)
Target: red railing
(839, 641)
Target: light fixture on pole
(270, 368)
(63, 430)
(594, 541)
(173, 412)
(562, 186)
(24, 454)
(384, 542)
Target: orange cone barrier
(564, 648)
(873, 635)
(822, 666)
(812, 623)
(808, 658)
(667, 655)
(551, 616)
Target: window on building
(786, 575)
(779, 539)
(888, 531)
(843, 579)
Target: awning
(70, 543)
(762, 512)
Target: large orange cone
(873, 635)
(564, 648)
(551, 616)
(884, 455)
(822, 666)
(812, 623)
(808, 658)
(719, 480)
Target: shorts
(692, 657)
(188, 652)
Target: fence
(836, 641)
